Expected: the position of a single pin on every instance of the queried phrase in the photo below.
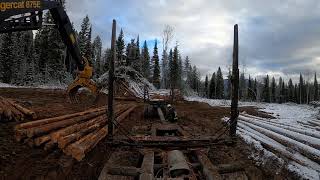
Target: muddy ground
(19, 161)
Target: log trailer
(23, 15)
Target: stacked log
(11, 111)
(75, 134)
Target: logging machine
(23, 15)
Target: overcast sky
(276, 37)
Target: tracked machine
(23, 15)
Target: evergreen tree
(156, 68)
(273, 90)
(206, 87)
(180, 72)
(250, 89)
(291, 90)
(301, 87)
(228, 94)
(255, 88)
(84, 36)
(212, 87)
(219, 85)
(242, 86)
(6, 56)
(266, 90)
(296, 94)
(174, 69)
(137, 63)
(145, 58)
(316, 88)
(120, 45)
(97, 51)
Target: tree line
(267, 90)
(28, 59)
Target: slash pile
(11, 111)
(75, 134)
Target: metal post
(111, 80)
(235, 84)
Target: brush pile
(75, 134)
(128, 83)
(11, 111)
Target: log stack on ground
(75, 134)
(11, 111)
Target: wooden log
(23, 110)
(210, 171)
(77, 127)
(12, 111)
(308, 151)
(59, 118)
(230, 168)
(147, 166)
(78, 149)
(36, 131)
(41, 140)
(274, 146)
(66, 140)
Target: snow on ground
(45, 86)
(290, 140)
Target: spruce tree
(242, 86)
(6, 56)
(120, 45)
(84, 35)
(136, 61)
(174, 69)
(273, 90)
(301, 87)
(219, 85)
(97, 54)
(156, 68)
(228, 94)
(316, 88)
(250, 89)
(145, 58)
(105, 60)
(266, 90)
(212, 87)
(206, 87)
(255, 88)
(291, 90)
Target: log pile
(11, 111)
(75, 134)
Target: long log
(291, 128)
(77, 127)
(310, 140)
(88, 142)
(61, 124)
(84, 129)
(80, 148)
(59, 118)
(308, 151)
(275, 146)
(11, 110)
(210, 171)
(41, 140)
(66, 140)
(23, 110)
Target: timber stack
(11, 111)
(75, 134)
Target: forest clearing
(72, 107)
